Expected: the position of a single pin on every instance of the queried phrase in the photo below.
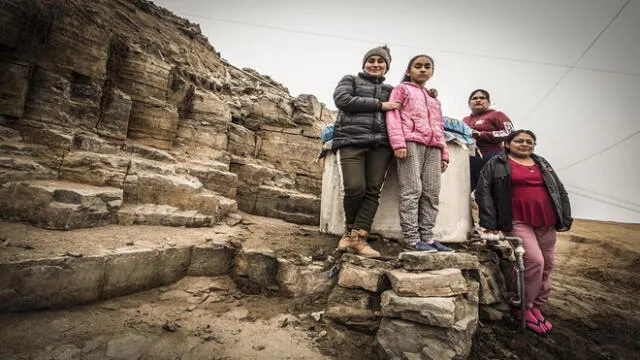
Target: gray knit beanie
(382, 51)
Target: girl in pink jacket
(416, 133)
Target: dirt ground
(594, 306)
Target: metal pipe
(518, 249)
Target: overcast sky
(567, 69)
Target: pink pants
(539, 260)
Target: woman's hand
(475, 134)
(401, 153)
(443, 166)
(388, 105)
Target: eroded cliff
(123, 98)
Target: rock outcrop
(123, 94)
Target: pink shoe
(538, 314)
(531, 321)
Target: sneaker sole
(425, 251)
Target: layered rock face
(125, 95)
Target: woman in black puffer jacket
(360, 140)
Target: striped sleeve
(503, 126)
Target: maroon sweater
(494, 127)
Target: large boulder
(400, 339)
(444, 282)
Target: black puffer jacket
(493, 194)
(361, 122)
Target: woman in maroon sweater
(490, 128)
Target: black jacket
(493, 194)
(361, 122)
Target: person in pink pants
(519, 193)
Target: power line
(625, 202)
(453, 52)
(614, 144)
(608, 202)
(584, 53)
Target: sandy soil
(594, 305)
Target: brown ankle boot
(361, 246)
(345, 240)
(343, 244)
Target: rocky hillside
(118, 111)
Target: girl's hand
(388, 105)
(443, 166)
(433, 93)
(401, 153)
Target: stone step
(288, 205)
(225, 205)
(165, 215)
(87, 265)
(186, 186)
(182, 192)
(65, 281)
(158, 214)
(59, 205)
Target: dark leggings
(476, 163)
(363, 172)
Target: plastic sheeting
(454, 219)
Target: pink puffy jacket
(419, 120)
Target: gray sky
(567, 69)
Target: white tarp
(453, 222)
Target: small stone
(192, 307)
(490, 313)
(74, 254)
(258, 347)
(110, 306)
(172, 244)
(235, 243)
(322, 334)
(317, 315)
(170, 326)
(236, 332)
(211, 338)
(233, 220)
(129, 243)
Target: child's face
(375, 66)
(421, 70)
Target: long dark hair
(513, 135)
(407, 77)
